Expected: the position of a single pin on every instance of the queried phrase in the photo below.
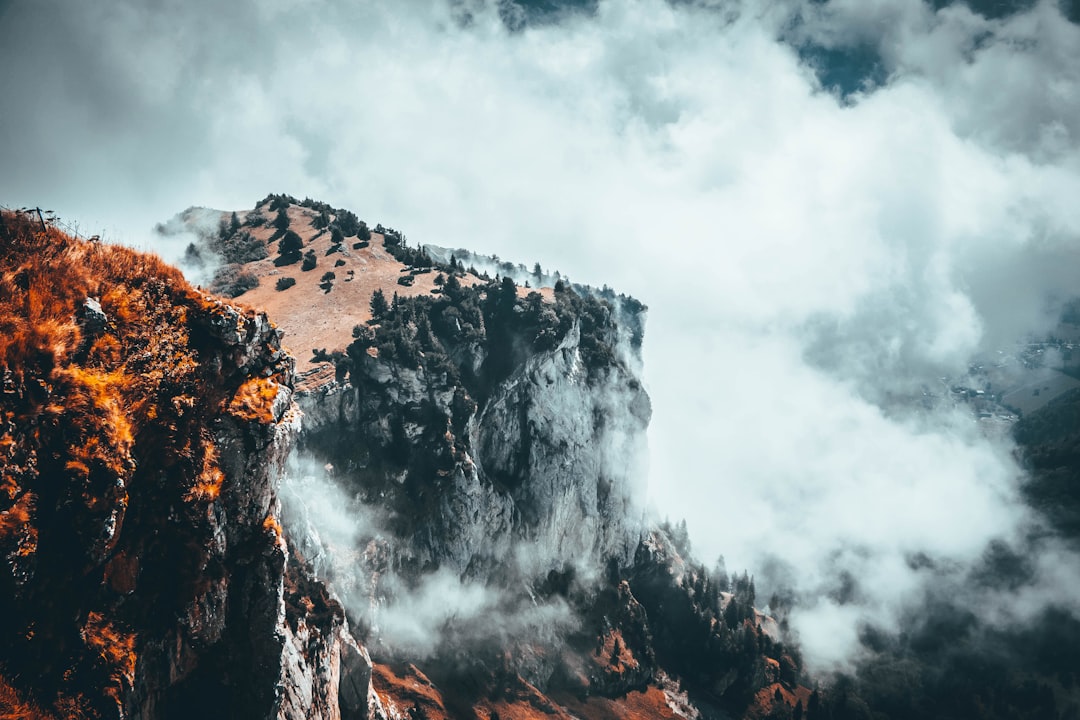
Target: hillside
(144, 427)
(312, 313)
(163, 557)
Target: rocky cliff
(144, 430)
(489, 438)
(437, 518)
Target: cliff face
(550, 460)
(477, 448)
(144, 428)
(489, 438)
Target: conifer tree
(378, 304)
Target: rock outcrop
(144, 430)
(479, 446)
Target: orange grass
(88, 412)
(254, 401)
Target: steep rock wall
(143, 430)
(549, 462)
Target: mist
(811, 255)
(406, 614)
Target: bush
(281, 220)
(289, 249)
(348, 223)
(284, 283)
(279, 202)
(242, 247)
(360, 245)
(339, 262)
(233, 281)
(309, 260)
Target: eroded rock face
(551, 459)
(568, 450)
(143, 435)
(492, 438)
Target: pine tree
(281, 221)
(289, 249)
(378, 304)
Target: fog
(811, 256)
(412, 615)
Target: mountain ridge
(446, 407)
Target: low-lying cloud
(415, 615)
(810, 261)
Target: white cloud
(804, 259)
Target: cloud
(809, 261)
(411, 614)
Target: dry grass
(115, 648)
(254, 401)
(90, 417)
(311, 318)
(403, 688)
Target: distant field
(1046, 385)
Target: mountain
(355, 479)
(435, 517)
(145, 571)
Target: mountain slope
(475, 446)
(144, 428)
(491, 437)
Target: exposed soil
(309, 316)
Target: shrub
(347, 221)
(233, 281)
(327, 281)
(339, 262)
(281, 220)
(242, 247)
(309, 261)
(279, 202)
(360, 245)
(289, 249)
(284, 283)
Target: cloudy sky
(824, 204)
